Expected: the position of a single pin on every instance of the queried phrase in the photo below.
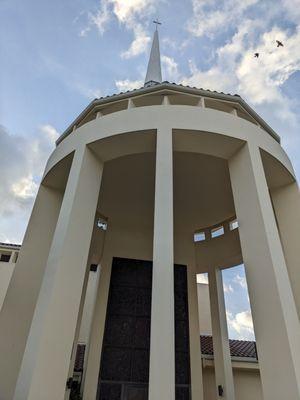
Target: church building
(144, 191)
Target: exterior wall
(204, 309)
(247, 384)
(194, 131)
(7, 268)
(6, 271)
(88, 308)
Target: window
(233, 224)
(219, 231)
(199, 236)
(5, 257)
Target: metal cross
(157, 23)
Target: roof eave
(170, 86)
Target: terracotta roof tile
(238, 348)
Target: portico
(159, 165)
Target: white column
(46, 360)
(86, 304)
(166, 100)
(201, 102)
(98, 324)
(273, 307)
(162, 347)
(195, 347)
(77, 330)
(130, 104)
(286, 201)
(21, 297)
(222, 359)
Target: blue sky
(56, 56)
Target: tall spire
(154, 66)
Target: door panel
(124, 371)
(136, 393)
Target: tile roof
(238, 348)
(165, 85)
(9, 244)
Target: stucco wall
(6, 271)
(246, 382)
(204, 309)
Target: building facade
(155, 185)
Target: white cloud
(241, 325)
(22, 161)
(127, 11)
(202, 278)
(170, 68)
(259, 80)
(215, 16)
(50, 131)
(132, 14)
(101, 18)
(292, 9)
(240, 280)
(25, 188)
(228, 288)
(139, 44)
(262, 78)
(124, 85)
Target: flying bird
(256, 55)
(279, 44)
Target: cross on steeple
(156, 22)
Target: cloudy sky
(56, 56)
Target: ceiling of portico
(202, 191)
(124, 144)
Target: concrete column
(21, 297)
(130, 104)
(195, 347)
(86, 304)
(48, 351)
(162, 347)
(286, 202)
(222, 359)
(273, 307)
(94, 349)
(166, 100)
(13, 257)
(77, 330)
(201, 102)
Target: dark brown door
(134, 392)
(126, 343)
(124, 371)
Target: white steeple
(154, 66)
